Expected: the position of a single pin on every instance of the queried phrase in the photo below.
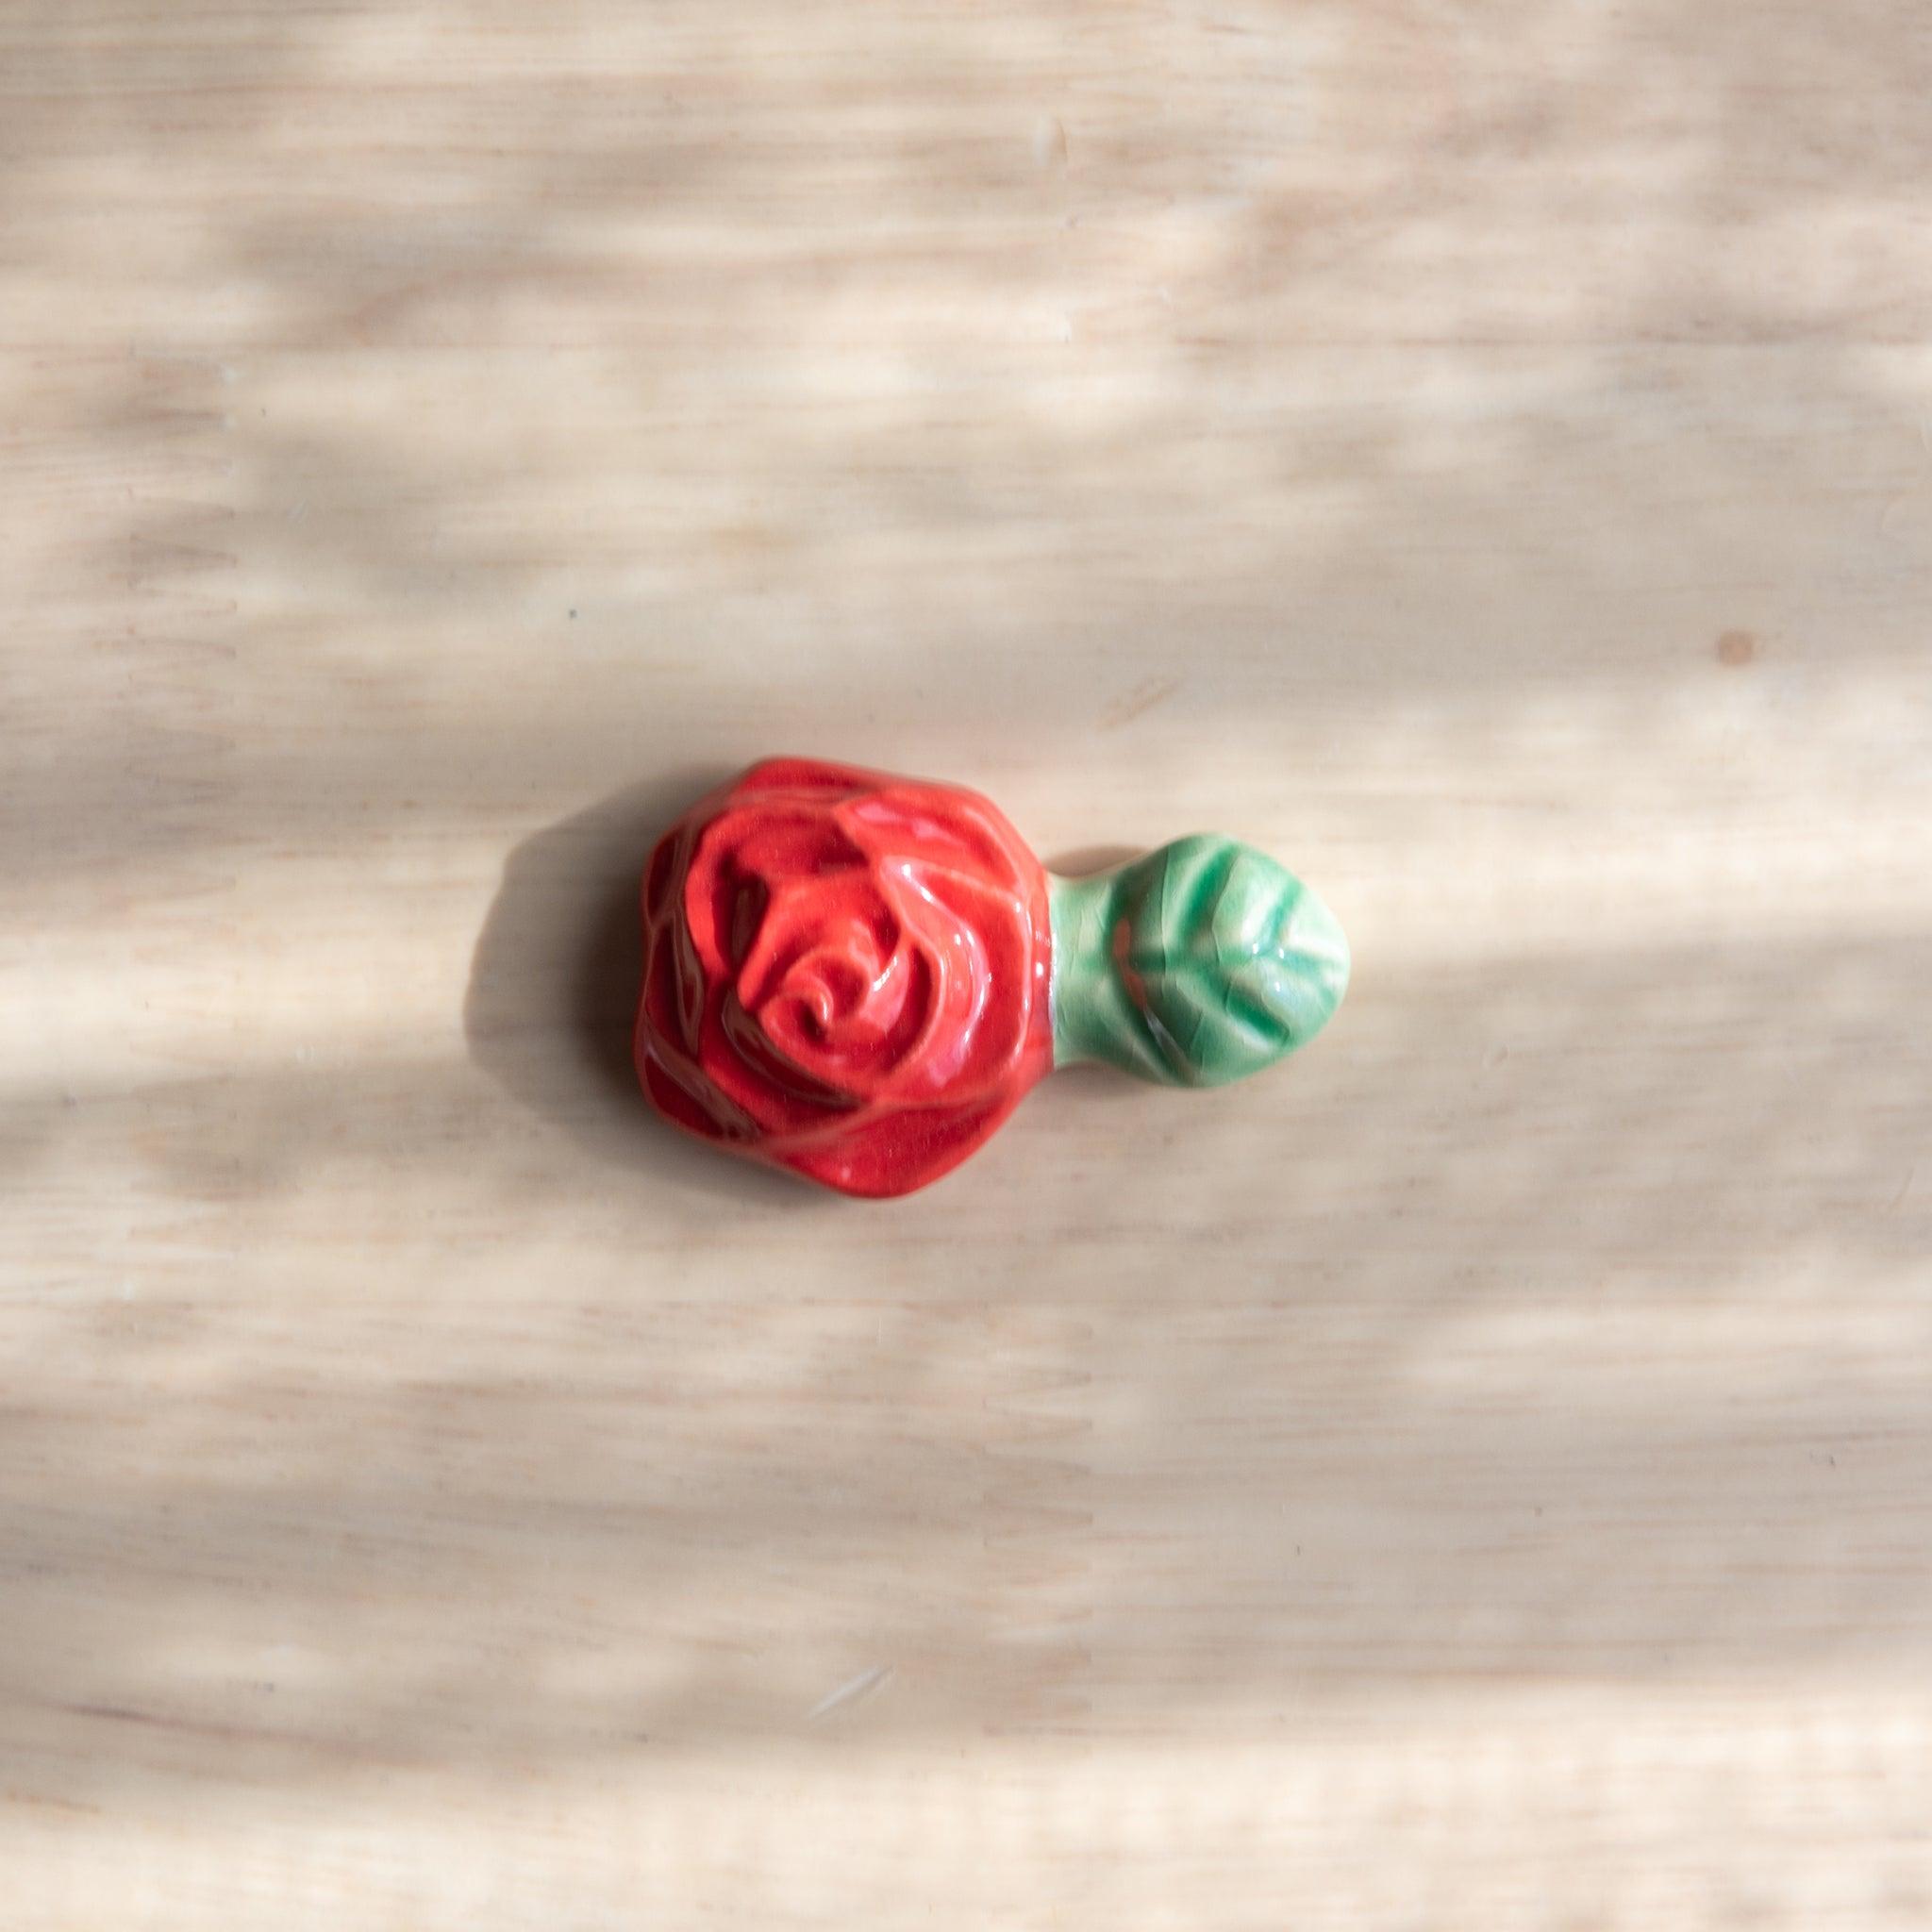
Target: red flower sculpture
(845, 974)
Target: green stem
(1197, 964)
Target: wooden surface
(1480, 1476)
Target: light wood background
(1479, 1476)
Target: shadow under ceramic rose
(552, 993)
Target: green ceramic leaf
(1196, 965)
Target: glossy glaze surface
(859, 976)
(846, 974)
(1198, 964)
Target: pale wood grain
(1481, 1475)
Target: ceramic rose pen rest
(859, 976)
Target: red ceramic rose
(845, 974)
